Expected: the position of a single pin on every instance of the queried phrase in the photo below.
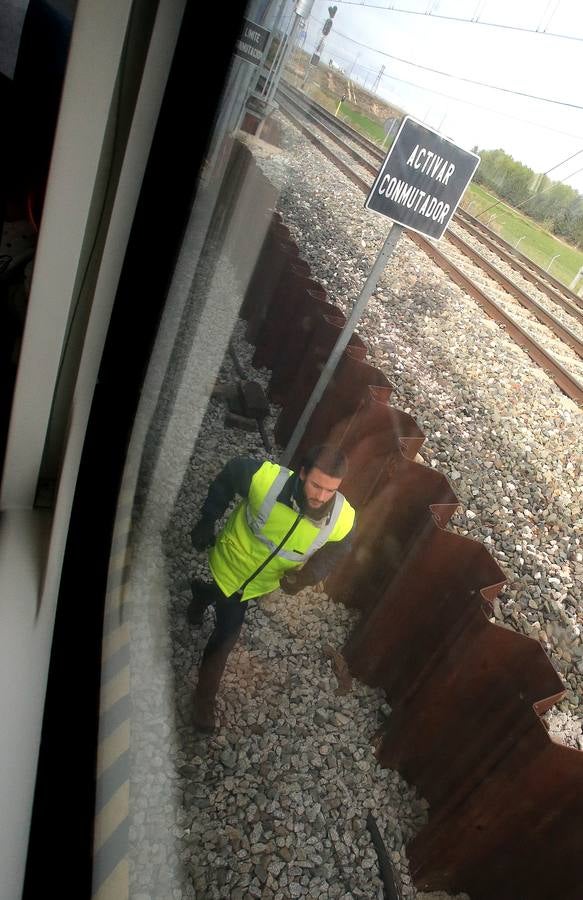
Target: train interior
(169, 300)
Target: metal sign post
(419, 186)
(342, 342)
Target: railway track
(567, 380)
(554, 289)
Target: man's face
(318, 487)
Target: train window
(341, 652)
(33, 57)
(293, 697)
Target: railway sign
(422, 179)
(252, 42)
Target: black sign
(315, 59)
(422, 179)
(252, 42)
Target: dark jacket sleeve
(325, 560)
(233, 480)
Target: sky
(518, 51)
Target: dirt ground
(335, 83)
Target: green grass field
(513, 226)
(360, 122)
(349, 113)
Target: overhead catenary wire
(498, 112)
(464, 78)
(462, 20)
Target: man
(288, 532)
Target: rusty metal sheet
(320, 345)
(373, 433)
(517, 835)
(392, 523)
(348, 388)
(282, 253)
(261, 269)
(296, 296)
(434, 596)
(392, 429)
(462, 719)
(466, 694)
(299, 330)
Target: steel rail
(567, 382)
(527, 265)
(560, 293)
(543, 315)
(320, 119)
(497, 246)
(294, 96)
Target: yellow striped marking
(112, 815)
(113, 746)
(123, 525)
(114, 596)
(113, 641)
(115, 689)
(119, 561)
(116, 886)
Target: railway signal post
(419, 186)
(326, 28)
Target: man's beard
(312, 512)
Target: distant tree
(557, 205)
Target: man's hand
(291, 583)
(203, 535)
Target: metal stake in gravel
(342, 342)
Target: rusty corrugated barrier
(506, 801)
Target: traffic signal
(327, 26)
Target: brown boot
(209, 677)
(203, 715)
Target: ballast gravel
(496, 425)
(274, 805)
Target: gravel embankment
(275, 804)
(496, 425)
(571, 322)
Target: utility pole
(377, 80)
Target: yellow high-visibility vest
(256, 528)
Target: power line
(429, 90)
(475, 21)
(461, 77)
(493, 87)
(499, 112)
(490, 109)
